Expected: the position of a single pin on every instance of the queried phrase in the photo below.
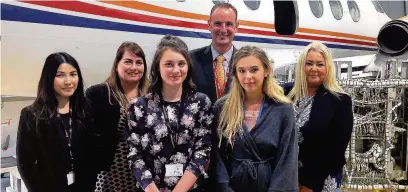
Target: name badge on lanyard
(71, 178)
(174, 170)
(68, 135)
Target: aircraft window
(219, 1)
(252, 4)
(354, 11)
(336, 9)
(377, 6)
(317, 7)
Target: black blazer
(205, 81)
(325, 137)
(43, 154)
(106, 119)
(204, 73)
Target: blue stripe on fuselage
(22, 14)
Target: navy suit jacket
(205, 81)
(325, 137)
(203, 77)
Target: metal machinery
(377, 152)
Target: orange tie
(220, 75)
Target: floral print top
(150, 144)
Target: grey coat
(264, 158)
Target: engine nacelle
(393, 37)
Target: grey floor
(5, 182)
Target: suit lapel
(208, 70)
(319, 104)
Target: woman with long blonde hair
(324, 119)
(257, 148)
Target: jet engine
(393, 37)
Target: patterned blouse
(150, 143)
(302, 114)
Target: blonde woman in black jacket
(324, 119)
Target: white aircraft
(91, 31)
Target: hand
(186, 182)
(304, 189)
(177, 190)
(152, 188)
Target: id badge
(71, 178)
(174, 170)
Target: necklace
(131, 98)
(253, 107)
(251, 114)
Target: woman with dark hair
(169, 128)
(109, 102)
(53, 139)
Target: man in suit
(212, 64)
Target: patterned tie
(220, 75)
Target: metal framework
(380, 124)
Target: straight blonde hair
(299, 89)
(232, 116)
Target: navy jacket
(261, 159)
(204, 73)
(325, 137)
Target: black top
(106, 117)
(65, 120)
(43, 154)
(325, 137)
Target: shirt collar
(227, 55)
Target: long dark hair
(46, 104)
(114, 80)
(175, 44)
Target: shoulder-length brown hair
(175, 44)
(113, 80)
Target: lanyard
(69, 136)
(174, 136)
